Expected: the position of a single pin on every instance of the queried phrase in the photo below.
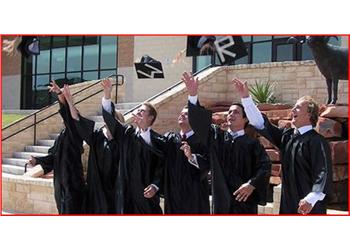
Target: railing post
(34, 129)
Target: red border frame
(273, 215)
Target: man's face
(300, 116)
(145, 119)
(183, 117)
(235, 117)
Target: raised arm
(69, 98)
(117, 129)
(256, 119)
(84, 126)
(198, 117)
(56, 89)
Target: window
(66, 59)
(266, 49)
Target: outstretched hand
(191, 83)
(54, 87)
(67, 94)
(9, 46)
(241, 87)
(107, 88)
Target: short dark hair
(241, 106)
(152, 111)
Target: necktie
(183, 137)
(296, 133)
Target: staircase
(15, 164)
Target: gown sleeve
(321, 164)
(263, 170)
(271, 132)
(200, 121)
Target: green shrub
(263, 92)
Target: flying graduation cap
(228, 48)
(148, 67)
(29, 45)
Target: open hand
(191, 83)
(107, 87)
(241, 87)
(243, 192)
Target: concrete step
(12, 169)
(37, 149)
(96, 118)
(126, 105)
(53, 136)
(267, 209)
(14, 161)
(46, 143)
(26, 155)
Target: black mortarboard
(228, 48)
(29, 46)
(149, 68)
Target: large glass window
(262, 52)
(66, 59)
(266, 49)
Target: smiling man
(141, 156)
(239, 164)
(305, 154)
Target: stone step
(267, 209)
(96, 118)
(53, 136)
(46, 143)
(38, 149)
(126, 105)
(14, 161)
(26, 155)
(12, 169)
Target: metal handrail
(167, 89)
(41, 110)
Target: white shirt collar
(304, 129)
(188, 134)
(237, 133)
(145, 134)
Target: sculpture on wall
(332, 61)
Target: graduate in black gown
(103, 175)
(141, 155)
(186, 170)
(240, 165)
(305, 155)
(64, 159)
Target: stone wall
(28, 195)
(293, 80)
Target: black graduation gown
(103, 169)
(233, 163)
(65, 159)
(141, 165)
(186, 186)
(306, 166)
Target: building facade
(74, 59)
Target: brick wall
(293, 80)
(28, 195)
